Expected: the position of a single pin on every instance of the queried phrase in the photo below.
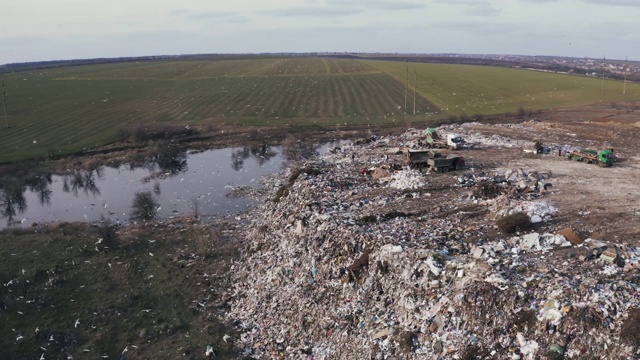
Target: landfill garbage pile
(493, 140)
(407, 179)
(337, 267)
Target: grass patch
(157, 292)
(468, 89)
(142, 133)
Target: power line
(4, 101)
(406, 85)
(415, 85)
(603, 64)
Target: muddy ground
(604, 202)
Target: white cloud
(313, 12)
(39, 29)
(379, 4)
(615, 2)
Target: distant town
(616, 69)
(606, 68)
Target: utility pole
(406, 85)
(4, 101)
(415, 85)
(624, 84)
(603, 63)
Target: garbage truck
(446, 163)
(603, 157)
(434, 140)
(433, 160)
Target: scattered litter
(349, 269)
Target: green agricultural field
(467, 89)
(69, 109)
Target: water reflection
(12, 201)
(294, 148)
(167, 159)
(261, 154)
(94, 192)
(76, 180)
(171, 160)
(13, 185)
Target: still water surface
(207, 178)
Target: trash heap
(510, 191)
(331, 272)
(407, 179)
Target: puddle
(178, 182)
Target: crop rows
(201, 69)
(310, 97)
(64, 110)
(67, 109)
(458, 89)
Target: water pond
(179, 183)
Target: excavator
(453, 141)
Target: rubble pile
(482, 140)
(339, 268)
(407, 179)
(510, 191)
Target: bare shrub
(515, 222)
(195, 206)
(108, 232)
(144, 206)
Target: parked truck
(603, 157)
(451, 141)
(433, 160)
(446, 163)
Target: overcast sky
(34, 30)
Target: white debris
(407, 179)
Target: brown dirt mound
(572, 236)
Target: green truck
(603, 157)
